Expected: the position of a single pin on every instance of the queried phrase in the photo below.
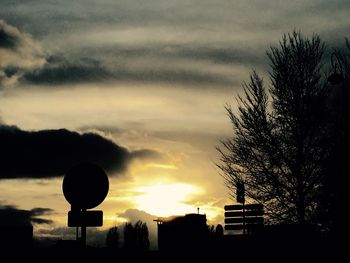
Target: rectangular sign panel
(254, 207)
(233, 227)
(85, 218)
(246, 207)
(250, 220)
(233, 207)
(247, 213)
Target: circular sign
(85, 186)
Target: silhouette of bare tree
(277, 147)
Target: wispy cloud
(84, 70)
(194, 43)
(18, 54)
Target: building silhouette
(182, 232)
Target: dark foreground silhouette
(231, 248)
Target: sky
(139, 87)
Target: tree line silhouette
(136, 237)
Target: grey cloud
(222, 35)
(50, 153)
(173, 76)
(326, 7)
(7, 40)
(91, 70)
(72, 15)
(225, 55)
(41, 221)
(200, 140)
(148, 63)
(65, 71)
(221, 15)
(146, 154)
(69, 16)
(38, 211)
(18, 53)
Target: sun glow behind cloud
(166, 199)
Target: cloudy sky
(137, 86)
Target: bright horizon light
(166, 199)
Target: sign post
(85, 186)
(244, 217)
(240, 198)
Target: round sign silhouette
(85, 186)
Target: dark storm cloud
(12, 216)
(50, 153)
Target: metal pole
(83, 232)
(244, 231)
(74, 209)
